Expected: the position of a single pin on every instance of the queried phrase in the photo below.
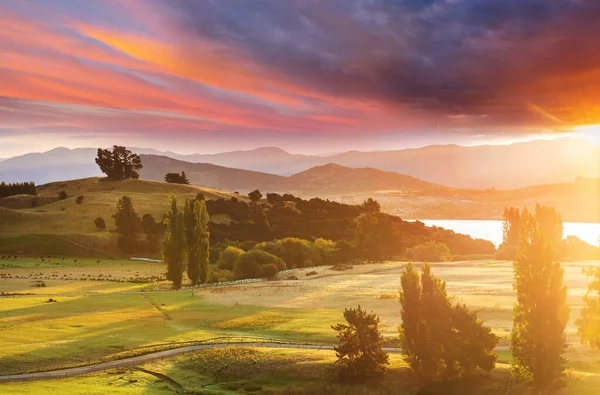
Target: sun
(590, 132)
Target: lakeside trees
(538, 340)
(118, 164)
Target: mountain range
(478, 167)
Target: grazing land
(108, 309)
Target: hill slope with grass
(71, 224)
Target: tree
(197, 236)
(228, 257)
(118, 164)
(148, 223)
(175, 178)
(126, 218)
(373, 236)
(255, 196)
(99, 222)
(371, 206)
(541, 314)
(17, 188)
(511, 227)
(440, 340)
(360, 354)
(588, 324)
(431, 251)
(79, 199)
(173, 250)
(62, 195)
(248, 264)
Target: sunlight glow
(591, 132)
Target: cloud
(300, 68)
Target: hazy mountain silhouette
(479, 167)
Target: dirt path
(139, 360)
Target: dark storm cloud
(450, 56)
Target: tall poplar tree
(203, 238)
(174, 244)
(541, 313)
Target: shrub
(228, 257)
(79, 199)
(267, 271)
(220, 275)
(62, 195)
(432, 251)
(296, 253)
(249, 263)
(100, 224)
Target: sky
(309, 76)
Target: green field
(108, 309)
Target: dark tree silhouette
(79, 199)
(255, 196)
(360, 354)
(99, 222)
(17, 188)
(118, 164)
(173, 250)
(175, 178)
(62, 195)
(126, 219)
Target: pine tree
(174, 244)
(541, 314)
(440, 340)
(118, 164)
(360, 354)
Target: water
(492, 230)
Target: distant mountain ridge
(330, 178)
(478, 167)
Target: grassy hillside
(71, 224)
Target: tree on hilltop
(118, 164)
(175, 178)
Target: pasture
(107, 309)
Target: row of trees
(17, 188)
(442, 340)
(186, 242)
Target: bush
(228, 257)
(62, 195)
(100, 224)
(220, 275)
(267, 271)
(432, 251)
(249, 263)
(296, 253)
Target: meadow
(108, 308)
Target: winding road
(141, 359)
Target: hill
(231, 218)
(508, 166)
(326, 179)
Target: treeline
(17, 188)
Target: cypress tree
(191, 243)
(541, 314)
(174, 244)
(202, 237)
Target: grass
(65, 228)
(94, 320)
(242, 370)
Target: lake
(492, 230)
